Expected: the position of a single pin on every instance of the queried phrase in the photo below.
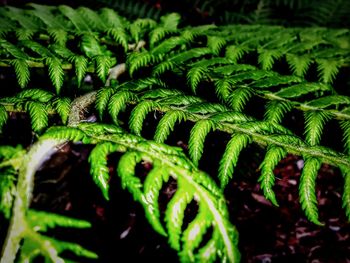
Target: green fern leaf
(117, 103)
(345, 125)
(80, 64)
(275, 110)
(196, 143)
(62, 106)
(236, 52)
(56, 72)
(239, 98)
(93, 19)
(215, 44)
(267, 57)
(66, 133)
(267, 179)
(298, 64)
(102, 99)
(35, 94)
(98, 163)
(3, 117)
(194, 77)
(112, 18)
(327, 101)
(76, 19)
(307, 191)
(38, 115)
(138, 115)
(175, 214)
(314, 126)
(193, 235)
(152, 186)
(167, 124)
(346, 192)
(328, 69)
(22, 71)
(7, 191)
(119, 35)
(299, 90)
(103, 64)
(230, 158)
(126, 171)
(223, 88)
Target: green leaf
(194, 77)
(99, 169)
(196, 143)
(167, 124)
(63, 107)
(102, 99)
(328, 69)
(276, 110)
(152, 187)
(7, 191)
(22, 71)
(267, 179)
(118, 102)
(230, 158)
(56, 72)
(175, 214)
(126, 172)
(298, 64)
(307, 190)
(314, 126)
(138, 115)
(38, 115)
(103, 64)
(3, 117)
(346, 191)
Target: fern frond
(117, 103)
(314, 126)
(239, 97)
(307, 190)
(56, 72)
(267, 57)
(215, 44)
(36, 244)
(22, 71)
(138, 115)
(167, 124)
(80, 64)
(103, 64)
(74, 17)
(38, 115)
(328, 69)
(298, 64)
(7, 191)
(102, 99)
(275, 110)
(267, 178)
(236, 52)
(3, 117)
(196, 142)
(230, 158)
(346, 192)
(194, 76)
(62, 106)
(99, 168)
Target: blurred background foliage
(327, 13)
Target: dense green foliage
(205, 75)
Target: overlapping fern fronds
(171, 70)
